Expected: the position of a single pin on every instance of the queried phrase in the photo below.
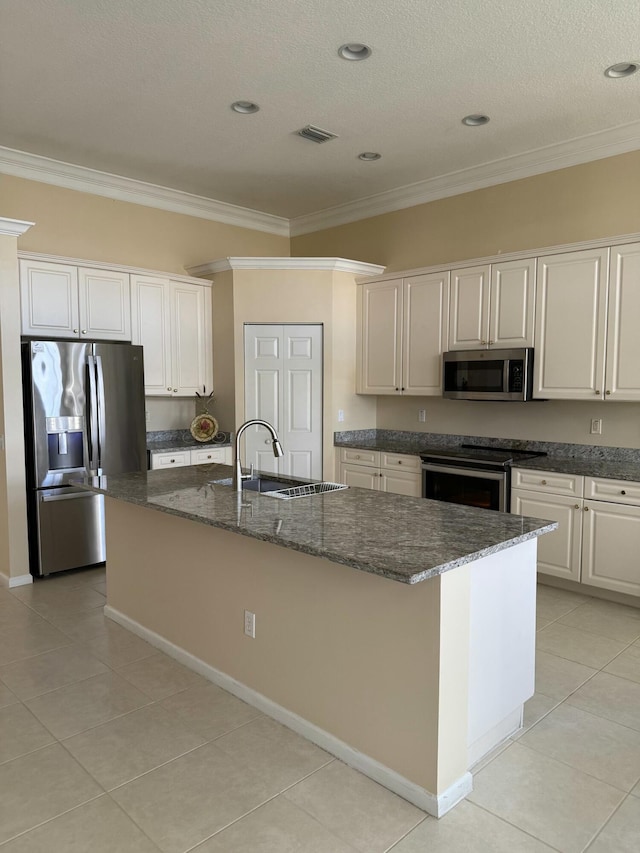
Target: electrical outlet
(596, 426)
(250, 624)
(340, 415)
(422, 415)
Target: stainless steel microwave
(499, 374)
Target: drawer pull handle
(400, 463)
(623, 492)
(586, 509)
(357, 456)
(597, 392)
(209, 456)
(607, 392)
(577, 506)
(172, 460)
(543, 482)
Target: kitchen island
(395, 632)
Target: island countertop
(401, 538)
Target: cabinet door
(512, 304)
(571, 302)
(380, 338)
(425, 333)
(401, 483)
(469, 317)
(152, 329)
(191, 338)
(105, 305)
(559, 551)
(361, 476)
(623, 341)
(49, 300)
(610, 547)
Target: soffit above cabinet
(358, 268)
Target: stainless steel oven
(470, 475)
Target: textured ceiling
(142, 88)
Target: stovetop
(501, 457)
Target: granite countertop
(184, 444)
(614, 463)
(401, 538)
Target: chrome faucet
(238, 476)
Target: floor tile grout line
(584, 711)
(45, 822)
(269, 800)
(606, 823)
(413, 828)
(514, 826)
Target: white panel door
(49, 300)
(512, 304)
(469, 315)
(105, 305)
(283, 385)
(151, 327)
(425, 333)
(380, 350)
(623, 328)
(571, 304)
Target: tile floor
(108, 745)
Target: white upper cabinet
(492, 306)
(172, 321)
(402, 333)
(622, 378)
(64, 301)
(571, 326)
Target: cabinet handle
(597, 392)
(209, 456)
(402, 389)
(397, 389)
(75, 331)
(491, 343)
(607, 392)
(168, 389)
(84, 331)
(379, 475)
(172, 460)
(400, 463)
(543, 482)
(586, 509)
(577, 506)
(175, 390)
(357, 456)
(483, 343)
(623, 492)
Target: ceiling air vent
(316, 134)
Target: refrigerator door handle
(102, 422)
(94, 448)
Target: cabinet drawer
(170, 460)
(209, 455)
(548, 481)
(616, 491)
(360, 457)
(400, 461)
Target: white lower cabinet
(598, 537)
(384, 472)
(182, 458)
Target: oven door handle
(465, 472)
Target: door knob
(75, 331)
(84, 331)
(577, 506)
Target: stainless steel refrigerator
(84, 415)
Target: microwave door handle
(102, 422)
(506, 385)
(92, 422)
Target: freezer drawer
(70, 528)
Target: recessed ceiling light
(369, 156)
(244, 107)
(354, 51)
(475, 120)
(622, 69)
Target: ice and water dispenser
(65, 443)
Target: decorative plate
(204, 427)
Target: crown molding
(584, 149)
(14, 227)
(20, 164)
(328, 264)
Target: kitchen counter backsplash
(419, 442)
(177, 439)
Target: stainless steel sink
(283, 488)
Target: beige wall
(13, 510)
(291, 296)
(553, 420)
(591, 201)
(594, 200)
(81, 225)
(358, 655)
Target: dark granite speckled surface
(162, 441)
(401, 538)
(618, 463)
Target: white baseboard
(495, 736)
(19, 580)
(436, 805)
